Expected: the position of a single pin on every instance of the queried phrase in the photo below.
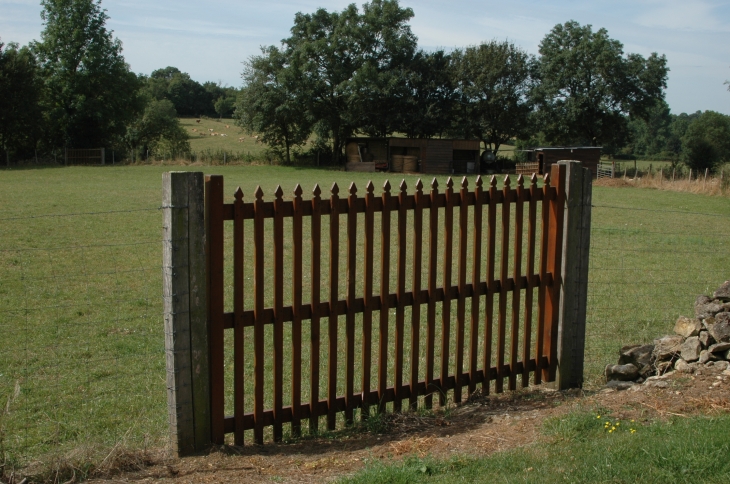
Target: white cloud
(681, 15)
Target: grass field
(81, 306)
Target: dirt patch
(481, 426)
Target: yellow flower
(613, 428)
(633, 431)
(618, 423)
(632, 420)
(610, 431)
(598, 416)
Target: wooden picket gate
(556, 262)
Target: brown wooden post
(574, 287)
(185, 311)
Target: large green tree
(345, 62)
(706, 142)
(19, 94)
(90, 95)
(588, 88)
(268, 103)
(189, 97)
(157, 128)
(493, 82)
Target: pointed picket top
(464, 183)
(353, 188)
(259, 194)
(434, 184)
(238, 195)
(298, 191)
(478, 182)
(335, 189)
(403, 186)
(533, 180)
(507, 182)
(493, 182)
(386, 186)
(449, 183)
(317, 191)
(521, 181)
(278, 193)
(546, 180)
(370, 188)
(419, 185)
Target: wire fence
(82, 369)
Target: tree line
(358, 71)
(73, 89)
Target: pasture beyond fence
(540, 332)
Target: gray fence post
(185, 311)
(574, 289)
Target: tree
(268, 103)
(493, 83)
(706, 142)
(588, 88)
(652, 135)
(20, 116)
(157, 128)
(90, 95)
(426, 107)
(345, 60)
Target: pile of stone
(699, 342)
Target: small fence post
(103, 156)
(574, 290)
(185, 311)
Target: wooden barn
(436, 156)
(539, 160)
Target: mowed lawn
(81, 299)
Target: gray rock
(683, 367)
(663, 367)
(723, 292)
(687, 327)
(706, 307)
(620, 385)
(722, 318)
(708, 323)
(722, 365)
(719, 347)
(721, 329)
(667, 348)
(656, 383)
(639, 356)
(691, 349)
(706, 356)
(706, 339)
(726, 355)
(626, 372)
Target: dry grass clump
(713, 185)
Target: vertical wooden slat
(446, 307)
(238, 298)
(517, 277)
(278, 309)
(400, 292)
(367, 317)
(384, 293)
(214, 236)
(554, 266)
(476, 285)
(350, 318)
(259, 363)
(433, 232)
(316, 235)
(296, 325)
(489, 309)
(461, 301)
(334, 282)
(532, 220)
(545, 222)
(503, 275)
(416, 311)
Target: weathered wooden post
(185, 311)
(574, 283)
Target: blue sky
(210, 39)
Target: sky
(211, 39)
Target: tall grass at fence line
(717, 184)
(106, 382)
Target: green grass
(81, 306)
(581, 450)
